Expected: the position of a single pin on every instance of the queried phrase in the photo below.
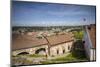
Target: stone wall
(54, 50)
(60, 49)
(30, 50)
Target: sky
(51, 14)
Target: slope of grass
(68, 58)
(36, 55)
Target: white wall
(88, 46)
(92, 55)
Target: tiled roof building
(49, 43)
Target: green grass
(72, 57)
(36, 55)
(68, 58)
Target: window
(63, 51)
(68, 47)
(57, 51)
(83, 42)
(89, 27)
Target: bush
(78, 34)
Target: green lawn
(67, 58)
(36, 55)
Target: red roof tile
(25, 41)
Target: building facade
(90, 42)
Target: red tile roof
(25, 41)
(59, 39)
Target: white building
(90, 42)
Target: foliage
(78, 50)
(78, 34)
